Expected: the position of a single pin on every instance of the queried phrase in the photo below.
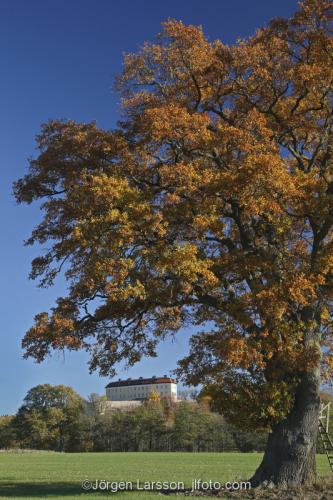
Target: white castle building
(139, 389)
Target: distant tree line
(57, 418)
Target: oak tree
(211, 205)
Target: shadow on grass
(66, 489)
(42, 490)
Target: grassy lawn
(59, 476)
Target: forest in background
(57, 418)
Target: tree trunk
(290, 456)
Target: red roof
(142, 381)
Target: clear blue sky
(58, 60)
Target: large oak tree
(211, 205)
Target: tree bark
(290, 456)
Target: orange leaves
(210, 204)
(271, 303)
(303, 289)
(190, 36)
(56, 332)
(241, 353)
(169, 69)
(174, 122)
(185, 264)
(321, 10)
(115, 293)
(188, 52)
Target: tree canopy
(48, 418)
(210, 205)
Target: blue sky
(58, 60)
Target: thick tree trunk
(290, 456)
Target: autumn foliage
(210, 205)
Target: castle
(139, 389)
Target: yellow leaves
(297, 288)
(62, 323)
(202, 207)
(270, 304)
(303, 289)
(241, 353)
(169, 319)
(189, 48)
(327, 367)
(318, 9)
(136, 290)
(154, 396)
(107, 204)
(325, 264)
(172, 199)
(178, 61)
(208, 222)
(186, 179)
(189, 35)
(174, 122)
(185, 264)
(325, 315)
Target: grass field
(59, 476)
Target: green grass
(59, 476)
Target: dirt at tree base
(322, 490)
